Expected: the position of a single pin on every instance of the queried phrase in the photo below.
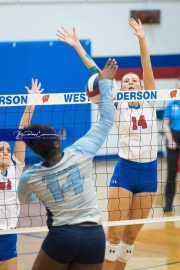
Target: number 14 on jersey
(74, 182)
(141, 122)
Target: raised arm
(92, 141)
(19, 148)
(72, 40)
(148, 76)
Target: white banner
(81, 98)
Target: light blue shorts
(135, 176)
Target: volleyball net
(72, 115)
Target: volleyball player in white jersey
(63, 182)
(11, 167)
(134, 182)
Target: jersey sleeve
(25, 194)
(92, 141)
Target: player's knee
(124, 252)
(114, 235)
(111, 252)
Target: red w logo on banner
(173, 93)
(5, 185)
(45, 98)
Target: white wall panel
(8, 1)
(48, 1)
(111, 1)
(106, 25)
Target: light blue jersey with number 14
(66, 189)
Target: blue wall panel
(60, 70)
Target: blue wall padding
(60, 70)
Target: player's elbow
(22, 196)
(22, 199)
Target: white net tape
(105, 224)
(81, 98)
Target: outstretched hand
(139, 31)
(109, 71)
(65, 36)
(35, 87)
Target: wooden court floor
(157, 245)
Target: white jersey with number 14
(137, 131)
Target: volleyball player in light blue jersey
(134, 182)
(63, 182)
